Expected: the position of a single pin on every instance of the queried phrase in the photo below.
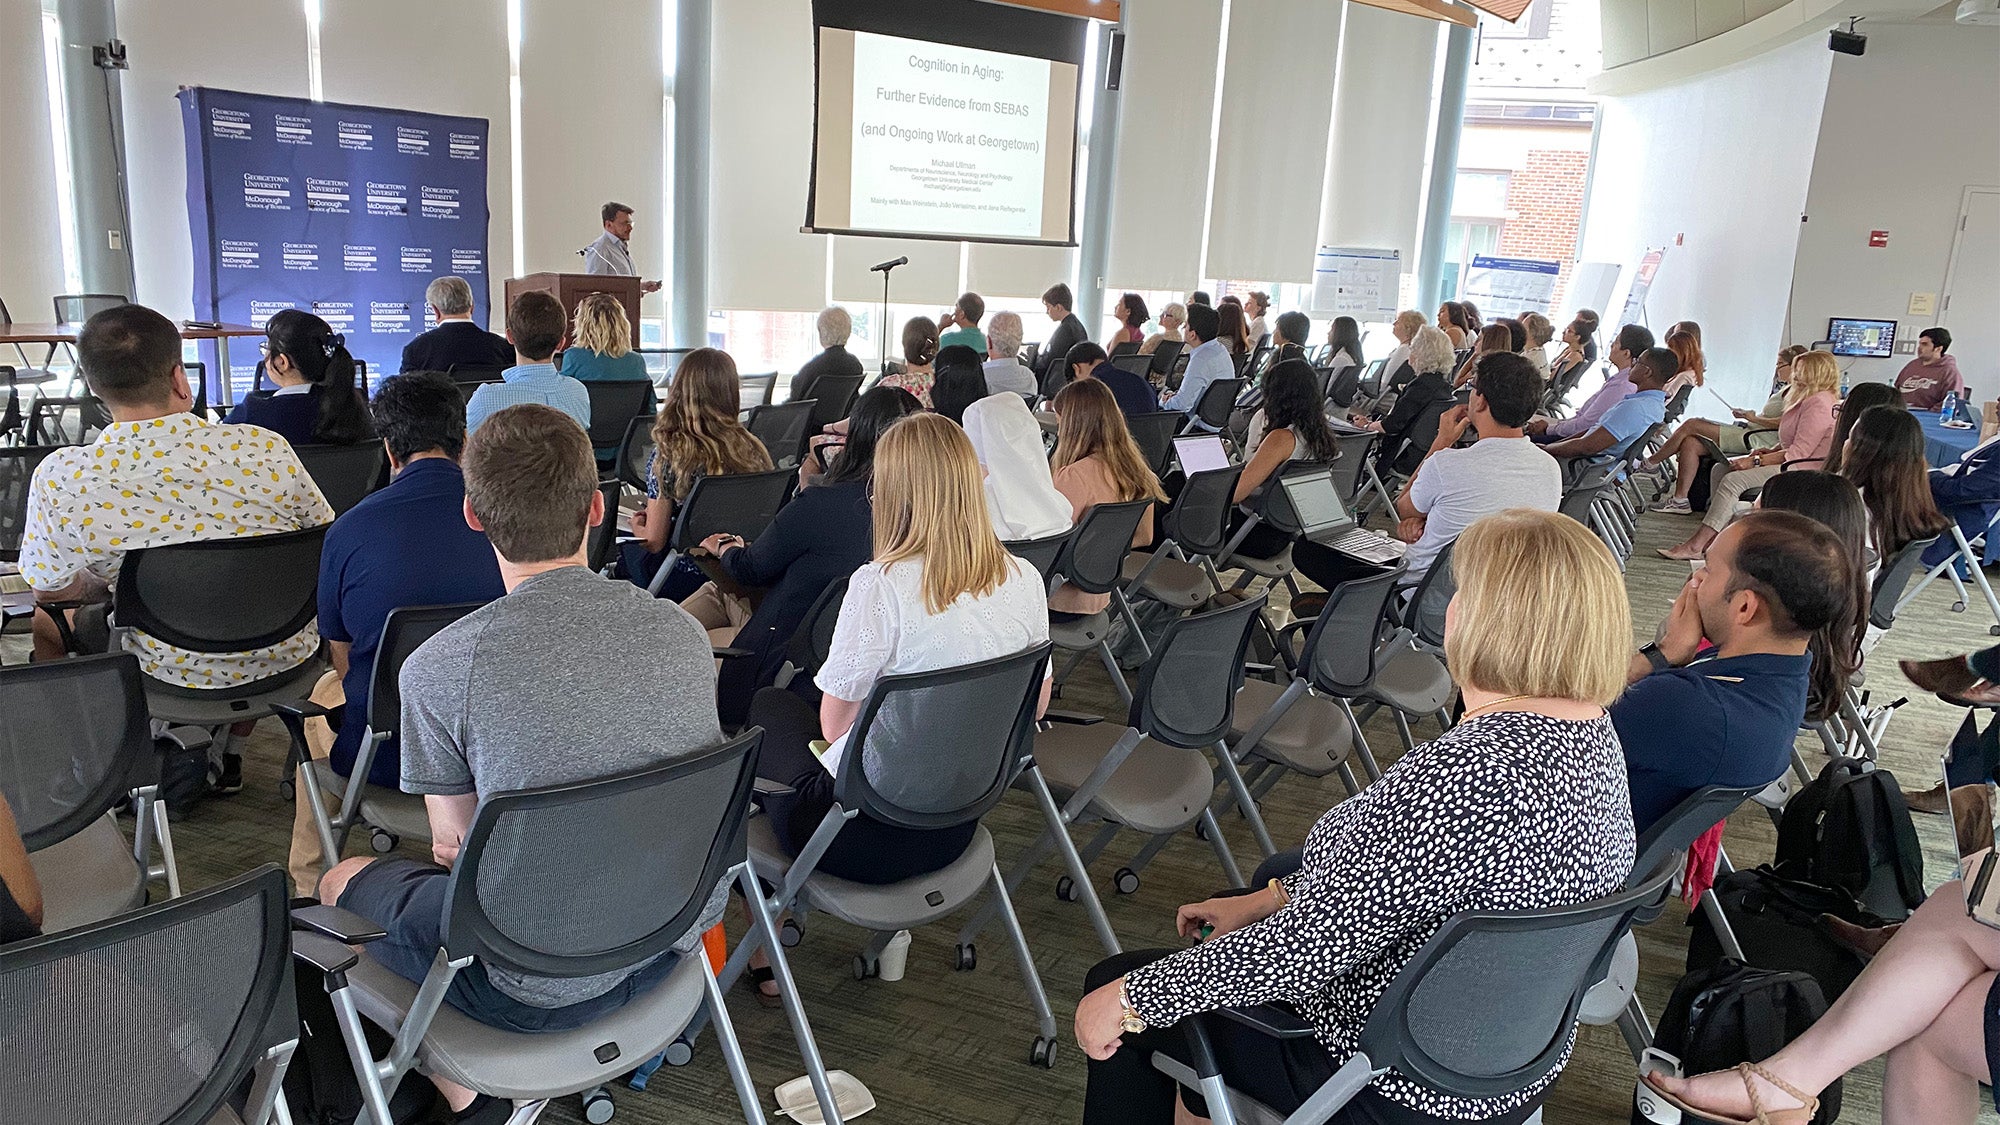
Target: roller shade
(760, 153)
(931, 278)
(1381, 121)
(996, 270)
(31, 260)
(1270, 155)
(1160, 183)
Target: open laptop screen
(1316, 503)
(1200, 453)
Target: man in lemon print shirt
(157, 476)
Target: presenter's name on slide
(946, 66)
(948, 137)
(1005, 109)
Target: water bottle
(1948, 409)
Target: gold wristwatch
(1131, 1023)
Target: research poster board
(1642, 280)
(345, 211)
(1357, 282)
(1511, 286)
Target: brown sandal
(1800, 1115)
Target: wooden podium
(569, 288)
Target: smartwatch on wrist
(1651, 651)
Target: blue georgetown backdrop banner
(345, 211)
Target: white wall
(1716, 170)
(31, 263)
(1907, 127)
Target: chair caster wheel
(680, 1052)
(1993, 630)
(1200, 830)
(1958, 607)
(1043, 1053)
(287, 789)
(598, 1107)
(383, 842)
(1066, 889)
(968, 958)
(791, 933)
(1125, 880)
(866, 967)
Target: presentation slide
(932, 139)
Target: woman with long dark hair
(1860, 400)
(1234, 329)
(1836, 650)
(1884, 458)
(1344, 340)
(1295, 429)
(318, 400)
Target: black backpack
(1776, 922)
(320, 1087)
(1732, 1013)
(1849, 829)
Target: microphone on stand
(885, 267)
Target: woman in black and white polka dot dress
(1522, 805)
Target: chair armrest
(323, 953)
(186, 738)
(1074, 718)
(730, 653)
(343, 926)
(762, 789)
(1271, 1020)
(301, 709)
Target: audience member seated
(1926, 1000)
(834, 326)
(1292, 427)
(20, 891)
(1232, 328)
(1632, 342)
(1207, 361)
(1967, 491)
(1576, 352)
(406, 545)
(1494, 339)
(1171, 319)
(536, 326)
(1134, 395)
(1860, 400)
(959, 325)
(1069, 332)
(456, 341)
(1021, 497)
(1718, 699)
(1805, 434)
(1396, 369)
(1540, 331)
(1925, 380)
(960, 382)
(1097, 462)
(1256, 303)
(817, 539)
(1452, 322)
(940, 593)
(1832, 502)
(1751, 430)
(920, 349)
(600, 351)
(1131, 314)
(1884, 458)
(157, 476)
(1003, 368)
(1693, 367)
(1344, 354)
(318, 400)
(516, 695)
(1410, 426)
(1522, 805)
(1293, 332)
(1199, 297)
(697, 434)
(1627, 419)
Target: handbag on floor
(1776, 921)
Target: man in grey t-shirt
(517, 695)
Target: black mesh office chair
(783, 429)
(17, 471)
(602, 542)
(345, 474)
(754, 390)
(614, 403)
(1154, 434)
(156, 1017)
(809, 646)
(76, 746)
(635, 452)
(1093, 561)
(1217, 402)
(1164, 355)
(738, 503)
(1487, 1007)
(1040, 553)
(833, 396)
(75, 308)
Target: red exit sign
(1878, 239)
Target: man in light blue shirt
(1624, 421)
(535, 326)
(1631, 342)
(1208, 361)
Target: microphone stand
(883, 330)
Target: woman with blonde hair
(696, 435)
(941, 592)
(1171, 319)
(1097, 462)
(1540, 331)
(1805, 434)
(600, 349)
(1527, 795)
(920, 348)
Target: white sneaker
(1674, 504)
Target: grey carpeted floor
(948, 1047)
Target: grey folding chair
(1856, 725)
(739, 503)
(156, 1017)
(345, 474)
(1486, 1008)
(1423, 613)
(531, 893)
(1092, 560)
(75, 747)
(783, 429)
(929, 750)
(1590, 502)
(1149, 775)
(392, 814)
(1308, 726)
(1355, 472)
(1195, 528)
(1966, 556)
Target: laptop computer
(1324, 519)
(1200, 453)
(1980, 869)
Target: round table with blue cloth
(1944, 446)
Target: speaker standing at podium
(610, 253)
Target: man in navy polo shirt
(1728, 713)
(406, 545)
